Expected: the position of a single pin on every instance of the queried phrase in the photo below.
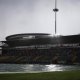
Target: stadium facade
(41, 48)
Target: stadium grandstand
(40, 48)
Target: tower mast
(55, 10)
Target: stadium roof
(26, 36)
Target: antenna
(55, 10)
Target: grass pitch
(64, 75)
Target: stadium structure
(41, 48)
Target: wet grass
(66, 75)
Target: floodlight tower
(55, 10)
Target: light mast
(55, 10)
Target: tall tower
(55, 10)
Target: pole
(55, 10)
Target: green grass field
(66, 75)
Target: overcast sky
(37, 16)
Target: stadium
(41, 48)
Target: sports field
(64, 75)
